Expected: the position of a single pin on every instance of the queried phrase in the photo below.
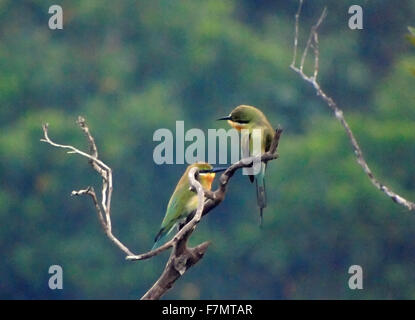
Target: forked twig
(313, 42)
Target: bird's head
(206, 173)
(244, 117)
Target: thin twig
(106, 174)
(297, 17)
(313, 42)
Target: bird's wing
(269, 136)
(174, 209)
(246, 147)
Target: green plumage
(182, 202)
(250, 118)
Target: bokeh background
(132, 67)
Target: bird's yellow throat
(236, 125)
(206, 179)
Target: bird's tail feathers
(261, 193)
(157, 239)
(261, 219)
(261, 196)
(161, 236)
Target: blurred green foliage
(131, 67)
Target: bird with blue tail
(184, 201)
(250, 118)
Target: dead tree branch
(103, 208)
(312, 42)
(182, 257)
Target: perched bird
(184, 201)
(248, 117)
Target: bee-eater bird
(250, 118)
(183, 200)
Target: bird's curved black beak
(224, 118)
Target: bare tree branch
(182, 257)
(103, 209)
(313, 42)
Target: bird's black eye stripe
(241, 121)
